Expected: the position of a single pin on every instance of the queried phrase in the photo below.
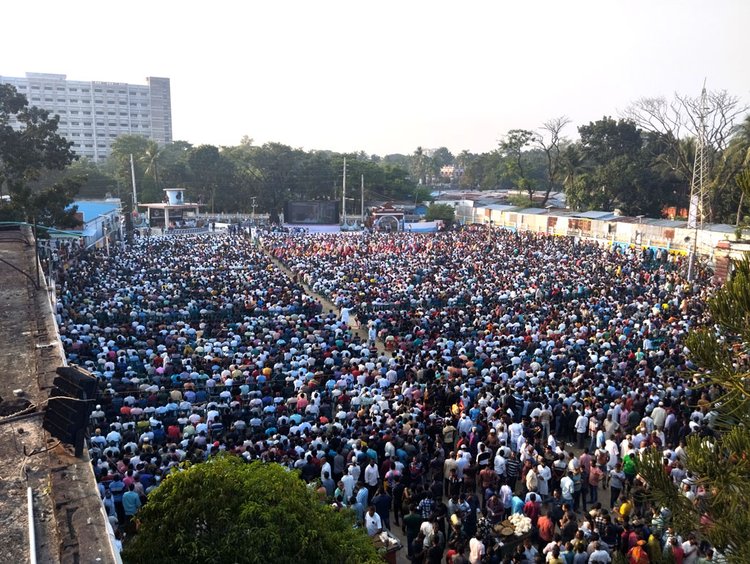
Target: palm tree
(419, 162)
(151, 160)
(572, 164)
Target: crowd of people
(500, 374)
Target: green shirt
(412, 523)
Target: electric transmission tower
(698, 211)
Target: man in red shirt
(546, 527)
(532, 509)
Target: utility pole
(132, 177)
(698, 190)
(343, 196)
(362, 196)
(253, 204)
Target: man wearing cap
(659, 416)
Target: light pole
(639, 233)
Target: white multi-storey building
(93, 114)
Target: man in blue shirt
(131, 503)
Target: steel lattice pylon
(698, 211)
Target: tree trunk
(739, 209)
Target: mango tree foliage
(226, 510)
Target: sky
(387, 76)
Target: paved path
(327, 304)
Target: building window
(87, 123)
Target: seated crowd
(498, 374)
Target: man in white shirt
(599, 555)
(476, 550)
(372, 476)
(373, 522)
(348, 481)
(499, 464)
(566, 489)
(581, 426)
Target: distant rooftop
(91, 209)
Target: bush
(226, 510)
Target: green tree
(677, 123)
(420, 166)
(119, 161)
(151, 160)
(96, 182)
(718, 461)
(25, 155)
(174, 169)
(275, 172)
(213, 174)
(551, 142)
(513, 147)
(226, 510)
(484, 171)
(445, 212)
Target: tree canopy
(445, 212)
(227, 510)
(717, 459)
(25, 155)
(640, 163)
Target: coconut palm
(151, 160)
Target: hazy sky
(386, 76)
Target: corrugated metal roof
(663, 222)
(720, 228)
(594, 214)
(533, 211)
(500, 207)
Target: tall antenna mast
(343, 196)
(698, 212)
